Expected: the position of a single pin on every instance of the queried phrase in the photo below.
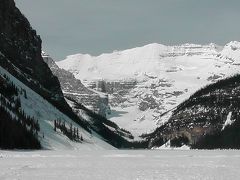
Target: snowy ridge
(141, 59)
(36, 106)
(145, 83)
(231, 52)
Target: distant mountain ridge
(146, 83)
(94, 67)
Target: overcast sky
(97, 26)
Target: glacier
(145, 84)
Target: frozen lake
(120, 165)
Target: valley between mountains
(150, 97)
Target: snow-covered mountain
(146, 83)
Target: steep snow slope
(146, 83)
(35, 106)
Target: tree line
(71, 132)
(17, 130)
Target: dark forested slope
(209, 119)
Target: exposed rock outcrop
(73, 88)
(20, 55)
(20, 49)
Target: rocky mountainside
(146, 84)
(20, 52)
(209, 119)
(33, 109)
(73, 88)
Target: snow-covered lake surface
(120, 164)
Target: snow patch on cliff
(228, 121)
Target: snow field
(120, 165)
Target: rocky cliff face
(74, 89)
(20, 53)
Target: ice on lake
(120, 164)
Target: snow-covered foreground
(113, 164)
